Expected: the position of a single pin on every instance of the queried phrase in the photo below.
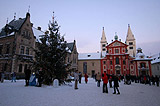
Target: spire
(129, 33)
(28, 8)
(14, 16)
(53, 17)
(7, 21)
(103, 38)
(116, 37)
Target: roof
(155, 58)
(142, 57)
(89, 56)
(13, 26)
(70, 46)
(37, 33)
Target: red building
(117, 60)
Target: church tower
(131, 42)
(103, 41)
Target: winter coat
(76, 76)
(98, 77)
(27, 74)
(116, 84)
(86, 77)
(105, 79)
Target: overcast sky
(83, 20)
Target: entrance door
(93, 73)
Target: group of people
(29, 77)
(104, 77)
(78, 77)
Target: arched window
(117, 60)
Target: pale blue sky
(83, 20)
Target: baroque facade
(121, 58)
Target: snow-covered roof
(155, 58)
(141, 56)
(89, 56)
(37, 33)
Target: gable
(116, 44)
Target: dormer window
(141, 57)
(89, 55)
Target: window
(1, 48)
(103, 49)
(93, 64)
(117, 51)
(130, 47)
(22, 50)
(84, 67)
(117, 60)
(157, 67)
(5, 66)
(130, 43)
(68, 60)
(20, 67)
(104, 62)
(110, 62)
(7, 48)
(27, 50)
(124, 62)
(103, 45)
(142, 65)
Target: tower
(131, 42)
(103, 42)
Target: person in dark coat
(157, 80)
(116, 84)
(110, 81)
(80, 77)
(40, 77)
(105, 81)
(27, 76)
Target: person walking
(98, 78)
(40, 77)
(145, 80)
(110, 81)
(157, 80)
(86, 78)
(76, 78)
(80, 77)
(27, 76)
(2, 77)
(13, 75)
(105, 81)
(116, 84)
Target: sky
(83, 20)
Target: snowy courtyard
(16, 94)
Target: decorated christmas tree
(51, 54)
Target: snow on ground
(16, 94)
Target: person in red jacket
(105, 81)
(86, 78)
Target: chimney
(39, 28)
(120, 40)
(31, 24)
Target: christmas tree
(51, 54)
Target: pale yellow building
(89, 63)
